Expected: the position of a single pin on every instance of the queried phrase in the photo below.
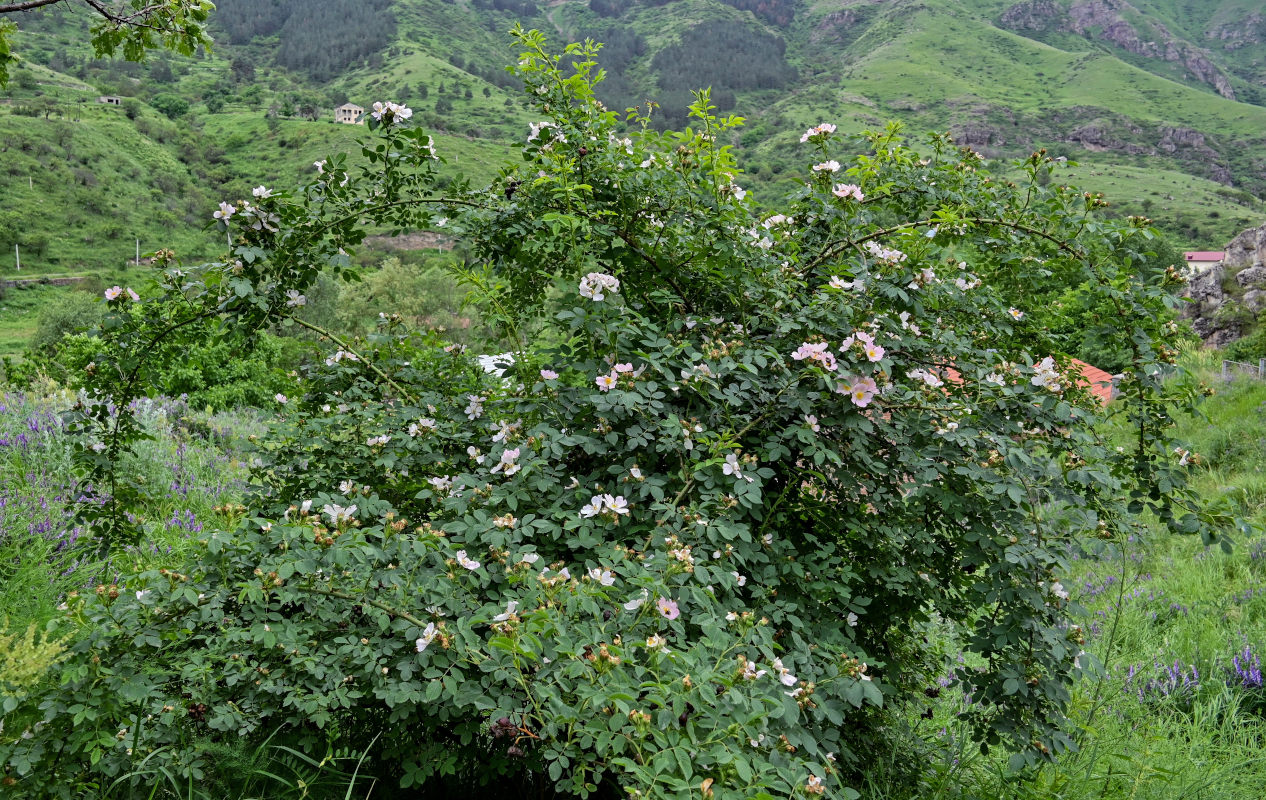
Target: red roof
(1205, 255)
(1098, 381)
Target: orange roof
(1204, 255)
(1098, 381)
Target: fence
(1234, 369)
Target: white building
(349, 114)
(1200, 260)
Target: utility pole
(138, 252)
(17, 256)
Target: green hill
(1161, 101)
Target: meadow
(1177, 709)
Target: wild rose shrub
(690, 540)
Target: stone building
(349, 114)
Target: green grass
(1155, 599)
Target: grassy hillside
(84, 181)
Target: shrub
(76, 311)
(690, 539)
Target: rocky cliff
(1227, 299)
(1121, 24)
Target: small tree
(696, 534)
(130, 27)
(172, 105)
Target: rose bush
(691, 540)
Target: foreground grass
(1177, 706)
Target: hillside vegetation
(1159, 100)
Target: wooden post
(17, 256)
(138, 252)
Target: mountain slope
(1163, 91)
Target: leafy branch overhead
(130, 29)
(697, 532)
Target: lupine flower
(1246, 668)
(846, 190)
(428, 635)
(827, 166)
(225, 211)
(668, 608)
(468, 563)
(294, 299)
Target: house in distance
(349, 114)
(1200, 260)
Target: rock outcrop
(1219, 316)
(1109, 20)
